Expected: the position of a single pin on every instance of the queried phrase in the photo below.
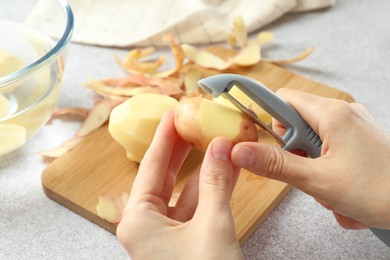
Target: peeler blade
(253, 117)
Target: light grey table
(352, 53)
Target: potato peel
(297, 58)
(70, 111)
(204, 59)
(178, 55)
(170, 86)
(129, 81)
(104, 90)
(62, 149)
(239, 32)
(133, 64)
(191, 79)
(248, 56)
(110, 207)
(140, 53)
(98, 115)
(262, 38)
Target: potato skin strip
(98, 115)
(62, 149)
(110, 207)
(70, 111)
(204, 59)
(297, 58)
(239, 32)
(248, 56)
(191, 80)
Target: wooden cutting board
(98, 165)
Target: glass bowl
(31, 66)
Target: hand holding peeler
(299, 135)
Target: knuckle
(360, 110)
(274, 163)
(358, 106)
(337, 109)
(217, 177)
(340, 111)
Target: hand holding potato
(352, 176)
(201, 225)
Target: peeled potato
(246, 101)
(134, 122)
(9, 63)
(4, 106)
(11, 137)
(199, 120)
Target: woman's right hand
(352, 176)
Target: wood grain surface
(98, 165)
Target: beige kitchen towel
(124, 23)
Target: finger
(236, 174)
(349, 223)
(216, 178)
(324, 204)
(188, 200)
(278, 128)
(152, 170)
(180, 152)
(276, 163)
(309, 106)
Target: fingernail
(221, 150)
(245, 157)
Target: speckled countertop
(352, 53)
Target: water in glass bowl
(27, 102)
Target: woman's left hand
(200, 225)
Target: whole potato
(199, 120)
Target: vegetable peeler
(299, 135)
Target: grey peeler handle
(299, 134)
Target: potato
(4, 106)
(9, 63)
(134, 122)
(199, 120)
(11, 137)
(246, 101)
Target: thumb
(217, 178)
(275, 163)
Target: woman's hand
(352, 176)
(201, 225)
